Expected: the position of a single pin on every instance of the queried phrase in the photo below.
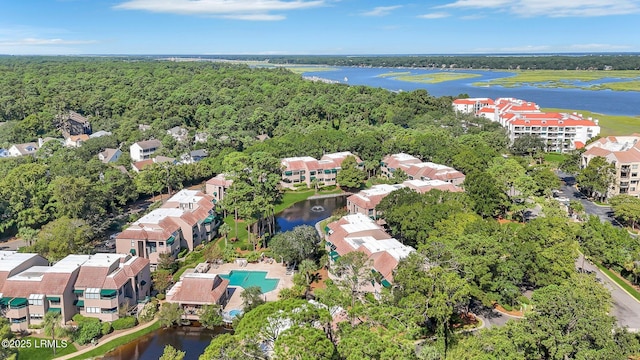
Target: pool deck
(274, 271)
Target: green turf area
(103, 349)
(435, 78)
(554, 158)
(41, 348)
(566, 79)
(620, 282)
(609, 124)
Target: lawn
(40, 349)
(554, 158)
(623, 284)
(305, 69)
(576, 79)
(103, 349)
(609, 124)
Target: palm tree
(306, 267)
(52, 323)
(224, 230)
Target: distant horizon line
(521, 54)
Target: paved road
(12, 245)
(625, 308)
(569, 190)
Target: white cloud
(381, 10)
(436, 15)
(39, 42)
(254, 10)
(553, 8)
(554, 48)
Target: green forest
(497, 61)
(474, 249)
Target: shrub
(106, 328)
(35, 326)
(183, 252)
(149, 311)
(124, 323)
(253, 256)
(88, 330)
(524, 300)
(507, 307)
(160, 296)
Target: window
(93, 310)
(36, 316)
(634, 167)
(133, 243)
(19, 320)
(36, 299)
(110, 311)
(161, 244)
(633, 189)
(634, 174)
(92, 293)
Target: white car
(563, 199)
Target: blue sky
(317, 26)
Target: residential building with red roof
(305, 169)
(185, 220)
(471, 105)
(365, 201)
(195, 290)
(561, 132)
(91, 285)
(357, 232)
(418, 170)
(624, 153)
(217, 186)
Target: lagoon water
(192, 340)
(598, 101)
(308, 212)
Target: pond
(309, 212)
(191, 339)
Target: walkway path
(107, 339)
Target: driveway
(568, 190)
(626, 309)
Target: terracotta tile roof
(81, 137)
(55, 283)
(91, 277)
(394, 161)
(629, 156)
(597, 151)
(135, 266)
(578, 144)
(199, 290)
(220, 180)
(140, 165)
(20, 288)
(115, 280)
(384, 263)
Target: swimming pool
(244, 279)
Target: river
(598, 101)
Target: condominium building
(471, 105)
(91, 285)
(418, 170)
(561, 132)
(109, 282)
(357, 232)
(186, 220)
(624, 153)
(217, 186)
(305, 169)
(365, 201)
